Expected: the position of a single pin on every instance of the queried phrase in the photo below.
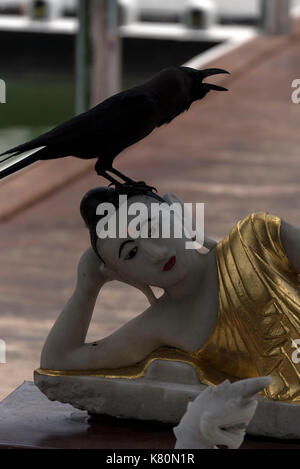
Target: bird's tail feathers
(12, 162)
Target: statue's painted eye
(131, 253)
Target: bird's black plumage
(116, 123)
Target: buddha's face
(159, 261)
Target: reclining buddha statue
(232, 312)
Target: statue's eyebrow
(123, 244)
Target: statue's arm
(290, 238)
(65, 347)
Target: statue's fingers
(248, 388)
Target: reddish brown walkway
(238, 152)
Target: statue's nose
(155, 252)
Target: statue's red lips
(170, 264)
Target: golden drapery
(259, 309)
(258, 316)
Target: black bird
(116, 123)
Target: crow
(116, 123)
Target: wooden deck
(238, 152)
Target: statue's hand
(92, 270)
(219, 415)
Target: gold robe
(258, 316)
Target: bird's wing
(118, 123)
(126, 112)
(125, 117)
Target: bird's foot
(140, 185)
(116, 184)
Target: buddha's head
(141, 252)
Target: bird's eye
(131, 253)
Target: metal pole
(82, 68)
(275, 16)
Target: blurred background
(237, 153)
(53, 70)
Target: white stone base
(151, 398)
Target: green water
(33, 107)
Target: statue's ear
(208, 244)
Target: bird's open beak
(213, 71)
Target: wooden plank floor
(238, 152)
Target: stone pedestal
(29, 420)
(161, 395)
